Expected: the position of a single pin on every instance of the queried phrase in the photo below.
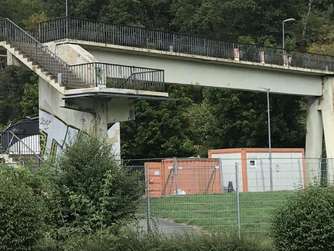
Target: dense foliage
(96, 192)
(306, 221)
(128, 240)
(197, 119)
(23, 209)
(85, 190)
(18, 94)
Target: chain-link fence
(222, 195)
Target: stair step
(6, 159)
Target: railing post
(148, 201)
(59, 78)
(262, 57)
(66, 27)
(36, 52)
(39, 32)
(236, 53)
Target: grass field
(218, 212)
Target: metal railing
(80, 29)
(120, 76)
(3, 61)
(83, 75)
(37, 53)
(21, 146)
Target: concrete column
(114, 138)
(101, 120)
(314, 138)
(327, 109)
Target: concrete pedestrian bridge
(91, 72)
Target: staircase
(37, 57)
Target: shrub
(306, 221)
(132, 241)
(23, 209)
(96, 191)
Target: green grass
(218, 212)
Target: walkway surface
(168, 227)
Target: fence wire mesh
(222, 195)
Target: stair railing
(36, 52)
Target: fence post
(148, 202)
(175, 167)
(237, 198)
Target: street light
(66, 10)
(283, 32)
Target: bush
(132, 241)
(306, 222)
(96, 191)
(23, 209)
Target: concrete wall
(52, 102)
(60, 124)
(71, 53)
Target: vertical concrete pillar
(314, 140)
(101, 119)
(114, 138)
(327, 109)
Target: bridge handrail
(87, 30)
(120, 76)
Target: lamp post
(267, 90)
(269, 142)
(66, 10)
(283, 31)
(66, 19)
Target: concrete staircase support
(6, 159)
(34, 67)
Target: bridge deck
(85, 30)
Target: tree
(96, 192)
(19, 10)
(241, 119)
(160, 129)
(18, 94)
(24, 208)
(305, 221)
